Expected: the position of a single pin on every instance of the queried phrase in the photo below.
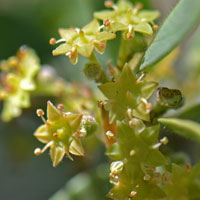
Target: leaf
(185, 128)
(180, 21)
(192, 113)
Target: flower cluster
(82, 41)
(127, 18)
(17, 81)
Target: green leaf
(180, 21)
(192, 113)
(185, 128)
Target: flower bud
(92, 71)
(169, 97)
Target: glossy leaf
(185, 128)
(180, 21)
(192, 113)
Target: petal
(143, 28)
(62, 49)
(105, 15)
(42, 135)
(92, 27)
(68, 34)
(74, 59)
(53, 114)
(104, 36)
(57, 154)
(148, 15)
(76, 148)
(86, 50)
(118, 27)
(100, 47)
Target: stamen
(129, 35)
(109, 4)
(141, 77)
(133, 193)
(52, 41)
(100, 27)
(144, 20)
(47, 146)
(130, 28)
(139, 5)
(156, 146)
(40, 113)
(155, 27)
(60, 40)
(109, 134)
(147, 177)
(164, 140)
(37, 151)
(60, 107)
(78, 30)
(106, 22)
(132, 152)
(55, 134)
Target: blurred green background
(33, 22)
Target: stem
(108, 127)
(122, 57)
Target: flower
(127, 18)
(17, 81)
(82, 41)
(127, 96)
(62, 132)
